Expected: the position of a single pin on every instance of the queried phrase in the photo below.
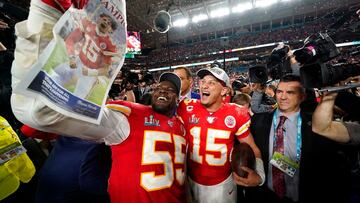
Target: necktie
(278, 177)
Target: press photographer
(315, 72)
(323, 124)
(124, 85)
(260, 101)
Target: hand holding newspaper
(88, 46)
(62, 72)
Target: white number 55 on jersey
(148, 180)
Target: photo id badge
(284, 164)
(11, 151)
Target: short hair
(243, 98)
(113, 23)
(187, 71)
(292, 78)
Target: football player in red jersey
(148, 143)
(212, 126)
(150, 165)
(89, 47)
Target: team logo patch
(103, 45)
(193, 119)
(151, 121)
(189, 108)
(211, 119)
(230, 121)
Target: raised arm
(322, 120)
(114, 126)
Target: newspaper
(75, 71)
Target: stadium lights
(192, 64)
(181, 22)
(242, 7)
(219, 12)
(200, 17)
(265, 3)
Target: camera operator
(260, 101)
(323, 124)
(241, 85)
(125, 91)
(143, 88)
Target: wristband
(260, 170)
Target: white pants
(225, 192)
(63, 74)
(85, 83)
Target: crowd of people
(168, 136)
(290, 33)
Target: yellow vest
(16, 169)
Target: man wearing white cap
(212, 127)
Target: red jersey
(149, 165)
(94, 43)
(211, 138)
(63, 5)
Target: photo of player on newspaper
(77, 68)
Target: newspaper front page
(76, 70)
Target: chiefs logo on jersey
(230, 121)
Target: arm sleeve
(245, 121)
(33, 133)
(354, 132)
(113, 128)
(256, 105)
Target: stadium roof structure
(195, 17)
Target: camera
(129, 78)
(278, 63)
(319, 75)
(258, 74)
(239, 83)
(314, 73)
(317, 48)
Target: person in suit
(186, 83)
(316, 165)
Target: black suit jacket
(324, 173)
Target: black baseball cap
(174, 79)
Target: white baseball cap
(218, 73)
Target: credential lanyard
(298, 136)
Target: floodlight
(219, 12)
(242, 7)
(200, 17)
(181, 22)
(265, 3)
